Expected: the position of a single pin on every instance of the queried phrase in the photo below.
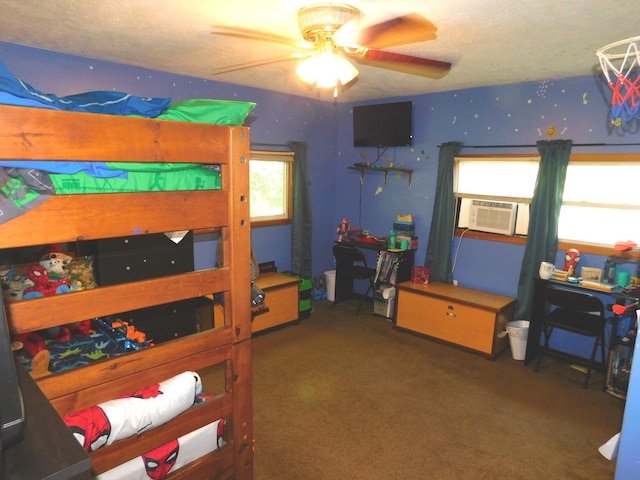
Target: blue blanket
(18, 92)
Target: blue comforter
(17, 92)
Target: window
(271, 181)
(504, 179)
(601, 204)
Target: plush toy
(64, 332)
(12, 284)
(31, 342)
(54, 260)
(80, 275)
(42, 284)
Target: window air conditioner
(493, 217)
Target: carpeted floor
(346, 397)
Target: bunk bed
(48, 135)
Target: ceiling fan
(332, 38)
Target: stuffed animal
(54, 260)
(79, 273)
(42, 284)
(12, 284)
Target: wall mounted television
(383, 125)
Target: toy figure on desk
(343, 230)
(571, 260)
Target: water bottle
(609, 274)
(392, 239)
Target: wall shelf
(385, 170)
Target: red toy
(43, 285)
(571, 260)
(343, 230)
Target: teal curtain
(438, 258)
(542, 236)
(302, 222)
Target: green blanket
(150, 177)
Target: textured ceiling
(489, 42)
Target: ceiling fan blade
(411, 28)
(248, 34)
(424, 67)
(255, 63)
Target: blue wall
(521, 114)
(509, 115)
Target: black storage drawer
(139, 257)
(167, 322)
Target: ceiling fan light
(326, 70)
(345, 71)
(324, 19)
(307, 70)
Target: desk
(344, 284)
(49, 449)
(538, 309)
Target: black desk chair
(351, 263)
(575, 312)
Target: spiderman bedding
(105, 423)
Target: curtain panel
(302, 218)
(542, 235)
(438, 257)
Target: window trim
(288, 159)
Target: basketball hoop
(620, 62)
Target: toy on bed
(47, 274)
(43, 285)
(13, 285)
(53, 272)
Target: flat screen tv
(383, 125)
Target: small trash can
(330, 280)
(518, 332)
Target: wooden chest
(280, 305)
(281, 301)
(460, 316)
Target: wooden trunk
(459, 316)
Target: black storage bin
(304, 295)
(139, 257)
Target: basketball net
(620, 62)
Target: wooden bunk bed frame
(41, 134)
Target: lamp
(326, 68)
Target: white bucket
(330, 280)
(518, 332)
